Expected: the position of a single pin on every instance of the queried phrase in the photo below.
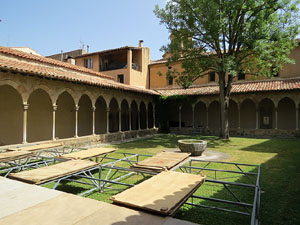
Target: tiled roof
(276, 84)
(41, 59)
(14, 60)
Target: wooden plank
(164, 193)
(86, 154)
(161, 161)
(48, 173)
(14, 155)
(39, 147)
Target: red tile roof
(15, 60)
(275, 84)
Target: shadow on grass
(280, 182)
(169, 141)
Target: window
(241, 76)
(212, 76)
(121, 78)
(170, 80)
(88, 63)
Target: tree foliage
(229, 36)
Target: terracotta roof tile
(14, 60)
(238, 87)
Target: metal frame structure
(252, 209)
(103, 176)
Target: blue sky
(49, 26)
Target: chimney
(87, 48)
(61, 55)
(141, 42)
(71, 60)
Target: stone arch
(200, 115)
(134, 116)
(65, 116)
(143, 115)
(39, 117)
(186, 115)
(248, 114)
(85, 116)
(45, 89)
(214, 115)
(11, 115)
(69, 91)
(233, 116)
(286, 114)
(18, 88)
(150, 115)
(124, 115)
(266, 114)
(100, 116)
(113, 116)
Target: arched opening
(85, 116)
(100, 116)
(248, 114)
(65, 116)
(150, 115)
(134, 116)
(200, 115)
(214, 115)
(233, 116)
(186, 115)
(173, 115)
(113, 116)
(11, 116)
(286, 114)
(39, 117)
(143, 116)
(266, 114)
(124, 115)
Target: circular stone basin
(193, 146)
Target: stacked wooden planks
(161, 161)
(48, 173)
(87, 154)
(164, 193)
(14, 155)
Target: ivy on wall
(165, 105)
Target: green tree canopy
(229, 37)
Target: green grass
(280, 178)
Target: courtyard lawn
(280, 177)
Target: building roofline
(110, 51)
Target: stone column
(139, 122)
(147, 119)
(107, 120)
(120, 119)
(239, 116)
(257, 118)
(94, 120)
(129, 112)
(54, 108)
(206, 118)
(180, 117)
(297, 118)
(276, 118)
(76, 120)
(193, 111)
(153, 117)
(25, 108)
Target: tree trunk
(224, 108)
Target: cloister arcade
(274, 112)
(45, 112)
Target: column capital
(25, 106)
(94, 108)
(54, 107)
(107, 109)
(77, 107)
